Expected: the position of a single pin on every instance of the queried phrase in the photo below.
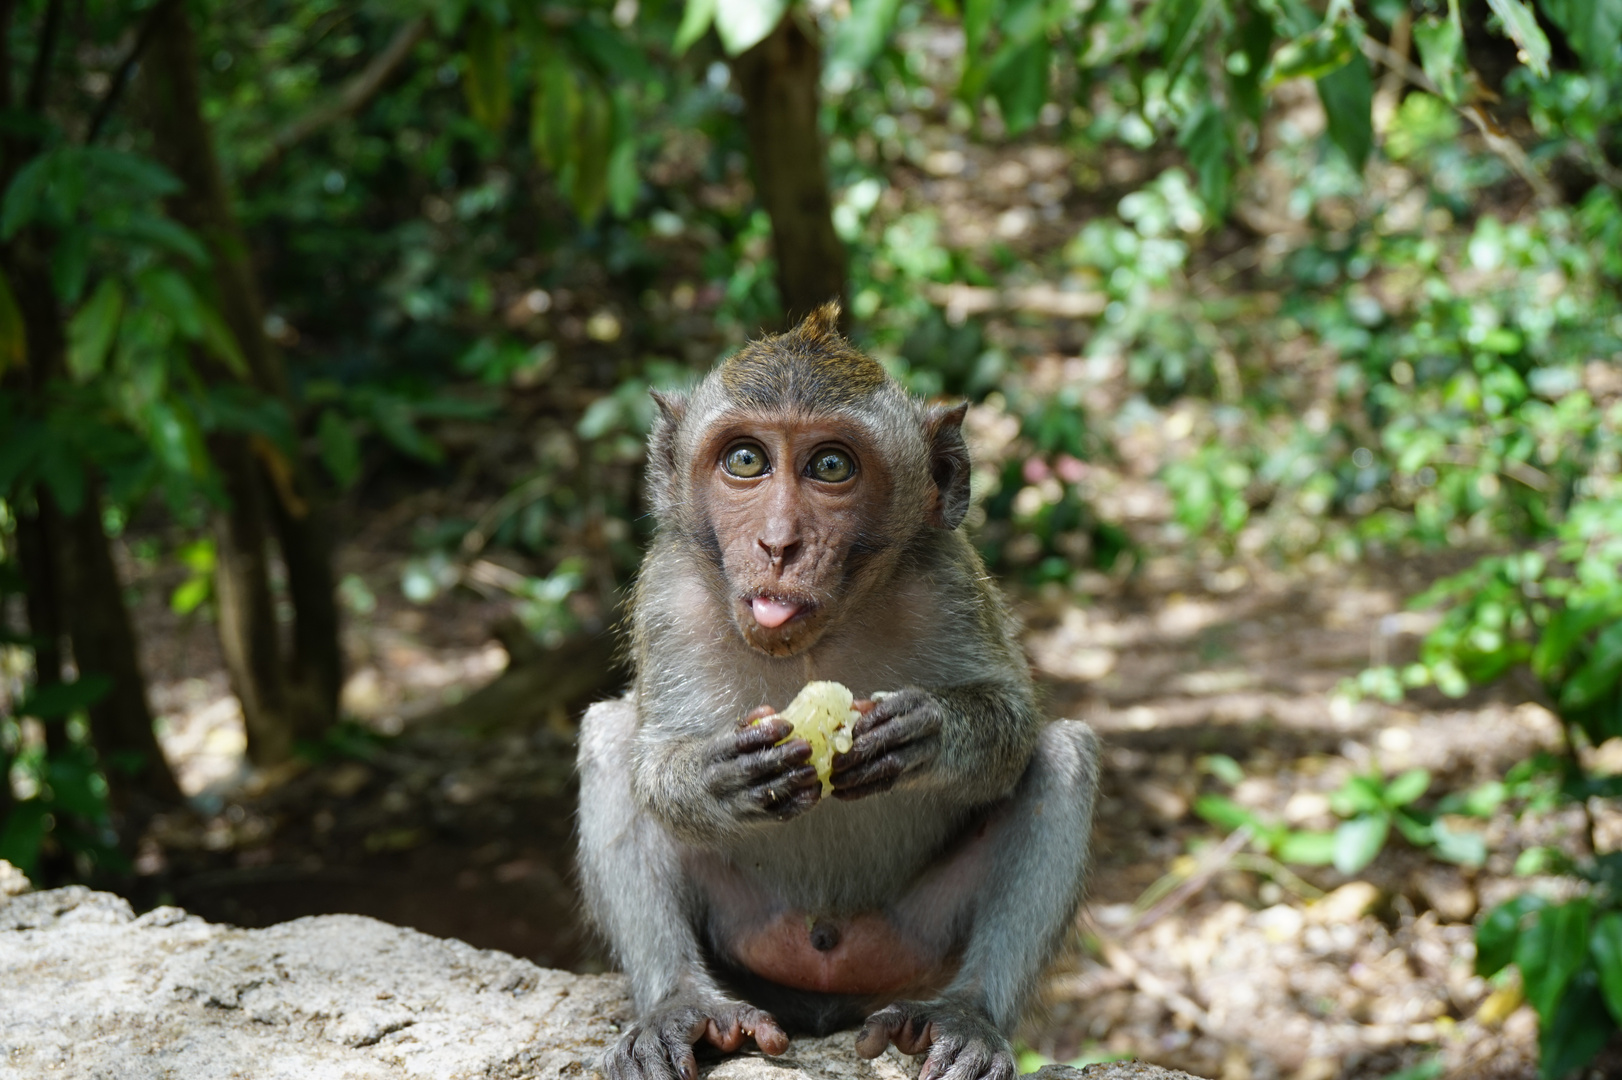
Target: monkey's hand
(753, 778)
(961, 1041)
(660, 1045)
(894, 737)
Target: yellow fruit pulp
(822, 715)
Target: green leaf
(743, 24)
(1441, 53)
(170, 293)
(1223, 812)
(220, 343)
(340, 450)
(1314, 55)
(13, 331)
(1563, 631)
(1595, 678)
(70, 264)
(190, 594)
(93, 330)
(58, 700)
(1307, 848)
(861, 36)
(1347, 94)
(25, 196)
(1223, 767)
(487, 87)
(396, 424)
(22, 833)
(695, 19)
(977, 16)
(1550, 951)
(1464, 848)
(594, 133)
(1019, 82)
(1183, 20)
(1606, 948)
(128, 174)
(624, 181)
(1404, 789)
(1593, 28)
(62, 472)
(1359, 795)
(1500, 931)
(1359, 840)
(1522, 27)
(554, 112)
(1206, 139)
(165, 234)
(1578, 1028)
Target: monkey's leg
(635, 891)
(1021, 909)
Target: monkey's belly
(869, 956)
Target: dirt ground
(464, 829)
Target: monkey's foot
(962, 1042)
(660, 1045)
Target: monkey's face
(793, 509)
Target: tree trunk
(138, 778)
(307, 688)
(780, 79)
(89, 596)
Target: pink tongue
(773, 613)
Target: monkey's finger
(886, 770)
(901, 1023)
(758, 736)
(945, 1057)
(649, 1059)
(775, 761)
(759, 712)
(771, 1038)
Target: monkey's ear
(662, 451)
(948, 464)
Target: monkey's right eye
(746, 461)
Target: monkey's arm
(972, 741)
(708, 788)
(638, 894)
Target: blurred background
(1292, 333)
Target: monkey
(807, 512)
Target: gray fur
(658, 847)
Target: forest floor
(463, 829)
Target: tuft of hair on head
(811, 366)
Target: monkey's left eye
(832, 466)
(746, 461)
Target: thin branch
(126, 68)
(1498, 142)
(40, 77)
(355, 95)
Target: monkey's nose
(780, 553)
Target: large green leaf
(25, 196)
(1019, 82)
(696, 18)
(1441, 52)
(1347, 94)
(1500, 931)
(1313, 55)
(93, 330)
(1593, 29)
(594, 143)
(1575, 1032)
(1183, 20)
(743, 24)
(1522, 27)
(554, 112)
(1607, 952)
(1407, 787)
(1550, 951)
(1206, 139)
(59, 700)
(487, 86)
(1598, 675)
(1307, 848)
(340, 450)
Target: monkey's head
(802, 474)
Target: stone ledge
(87, 989)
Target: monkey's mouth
(774, 611)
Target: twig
(353, 97)
(126, 67)
(1499, 143)
(1212, 860)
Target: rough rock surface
(88, 990)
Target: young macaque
(808, 512)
